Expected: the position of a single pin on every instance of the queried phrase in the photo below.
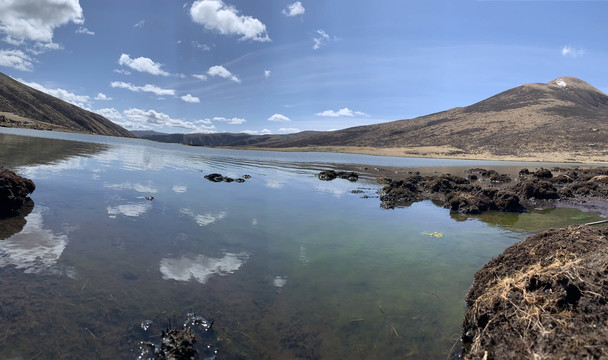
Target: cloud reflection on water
(204, 219)
(131, 210)
(201, 267)
(34, 249)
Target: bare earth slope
(22, 106)
(566, 116)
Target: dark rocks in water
(246, 177)
(524, 172)
(544, 297)
(482, 200)
(214, 177)
(491, 175)
(178, 345)
(444, 184)
(537, 189)
(329, 175)
(14, 191)
(543, 173)
(149, 197)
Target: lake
(285, 266)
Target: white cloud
(142, 64)
(110, 113)
(289, 130)
(102, 97)
(267, 74)
(154, 118)
(200, 77)
(321, 38)
(190, 99)
(572, 52)
(203, 47)
(256, 132)
(221, 71)
(294, 9)
(122, 71)
(78, 100)
(140, 24)
(230, 121)
(146, 88)
(215, 15)
(35, 20)
(342, 112)
(16, 59)
(84, 30)
(279, 117)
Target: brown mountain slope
(566, 114)
(19, 102)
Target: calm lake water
(285, 265)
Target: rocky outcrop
(14, 191)
(329, 175)
(542, 298)
(215, 177)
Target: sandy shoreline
(446, 152)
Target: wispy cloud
(215, 15)
(266, 74)
(320, 38)
(289, 130)
(221, 71)
(140, 24)
(200, 76)
(340, 113)
(146, 88)
(294, 9)
(78, 100)
(155, 118)
(572, 52)
(85, 31)
(142, 64)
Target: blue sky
(274, 66)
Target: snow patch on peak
(560, 82)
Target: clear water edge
(286, 265)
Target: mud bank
(545, 297)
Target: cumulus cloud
(78, 100)
(320, 38)
(279, 117)
(190, 99)
(289, 130)
(84, 30)
(154, 118)
(16, 59)
(572, 52)
(200, 76)
(102, 97)
(267, 74)
(36, 20)
(221, 71)
(142, 64)
(215, 15)
(146, 88)
(110, 113)
(294, 9)
(342, 112)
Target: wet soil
(545, 297)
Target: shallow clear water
(286, 266)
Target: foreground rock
(545, 297)
(14, 191)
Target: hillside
(532, 121)
(22, 106)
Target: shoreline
(446, 152)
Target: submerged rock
(544, 297)
(214, 177)
(14, 191)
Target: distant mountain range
(23, 106)
(565, 114)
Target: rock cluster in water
(329, 175)
(471, 196)
(215, 177)
(544, 297)
(14, 191)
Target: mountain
(22, 106)
(566, 115)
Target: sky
(278, 66)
